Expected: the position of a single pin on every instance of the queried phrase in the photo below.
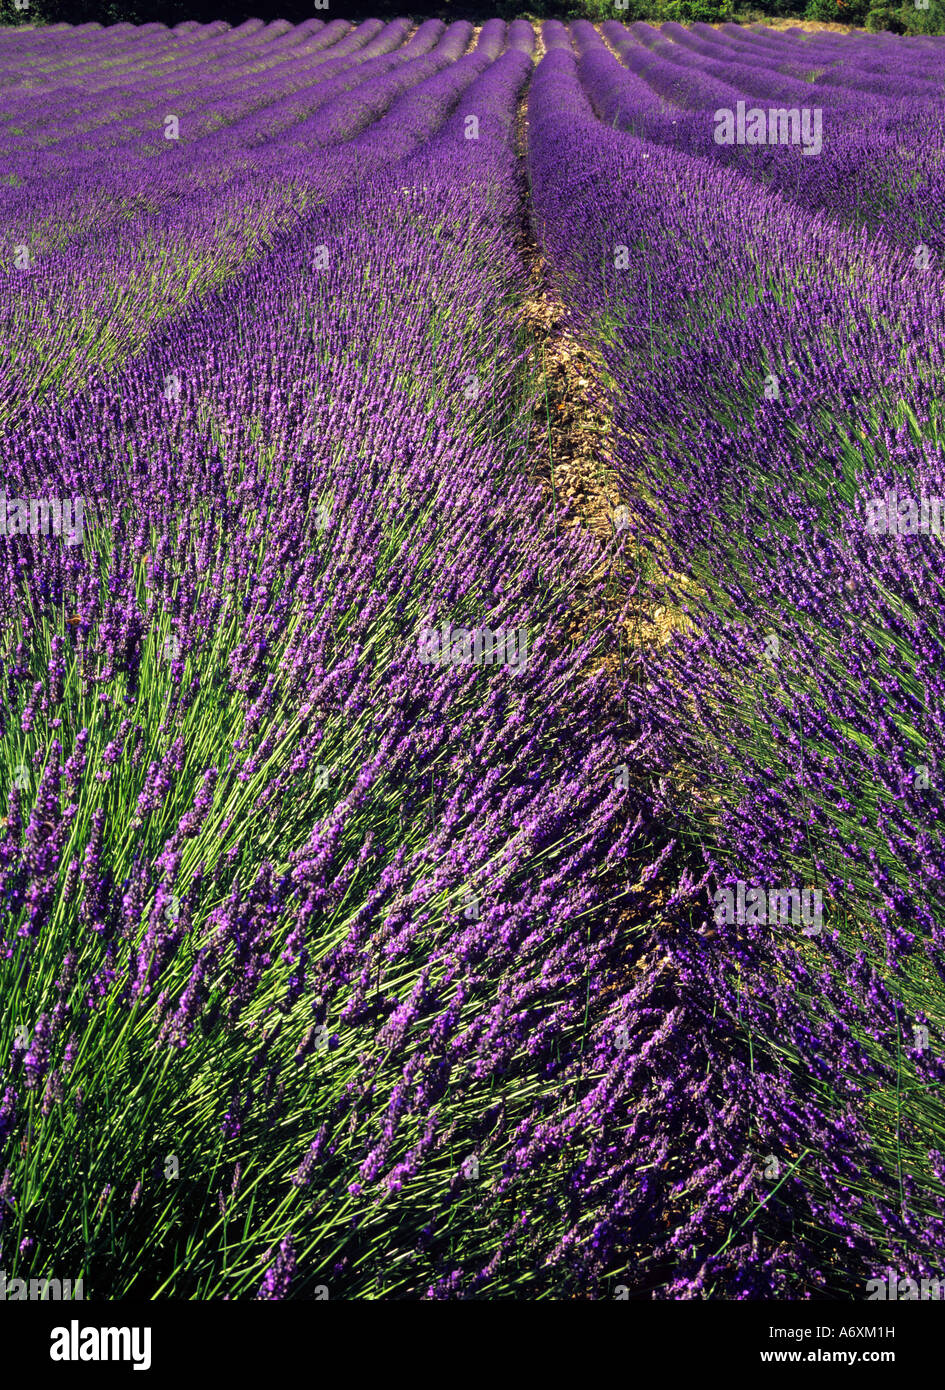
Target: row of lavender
(873, 136)
(778, 436)
(320, 931)
(180, 216)
(321, 875)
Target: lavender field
(472, 661)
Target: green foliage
(906, 18)
(655, 11)
(696, 11)
(599, 10)
(9, 14)
(897, 16)
(883, 17)
(838, 11)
